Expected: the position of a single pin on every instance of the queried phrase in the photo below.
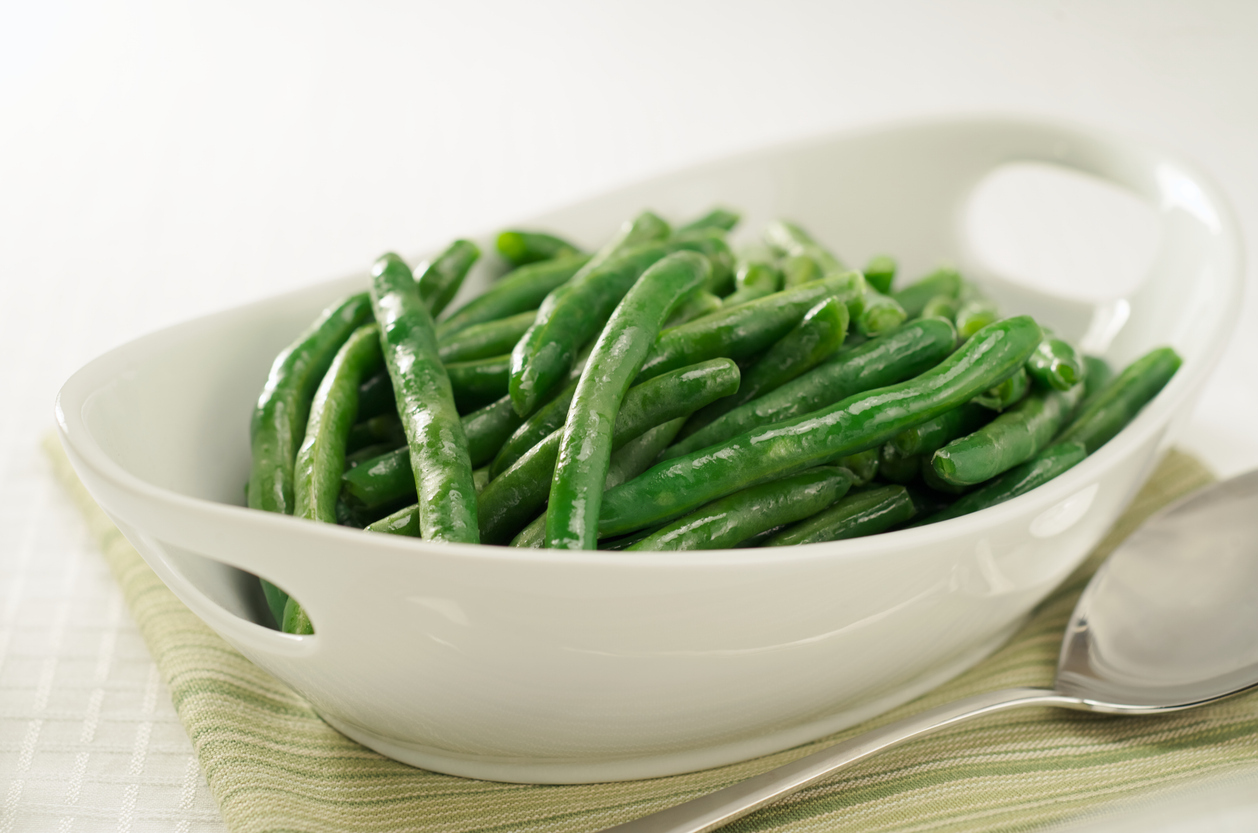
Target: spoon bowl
(1168, 622)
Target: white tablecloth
(160, 161)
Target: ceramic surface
(540, 666)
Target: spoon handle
(716, 809)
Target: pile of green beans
(669, 390)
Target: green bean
(789, 239)
(477, 383)
(1119, 402)
(941, 306)
(815, 338)
(585, 447)
(928, 437)
(438, 446)
(696, 305)
(544, 422)
(404, 521)
(861, 513)
(676, 486)
(570, 317)
(718, 218)
(438, 280)
(880, 273)
(514, 497)
(886, 360)
(386, 428)
(974, 311)
(741, 332)
(368, 452)
(896, 467)
(800, 269)
(647, 227)
(279, 419)
(630, 460)
(521, 248)
(321, 458)
(936, 483)
(1011, 438)
(881, 314)
(733, 519)
(1019, 480)
(754, 279)
(863, 465)
(519, 291)
(1056, 364)
(380, 482)
(481, 341)
(488, 428)
(1007, 394)
(375, 396)
(914, 297)
(1097, 375)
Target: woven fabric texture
(274, 765)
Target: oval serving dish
(563, 667)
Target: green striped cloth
(273, 765)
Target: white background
(162, 160)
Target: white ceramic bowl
(541, 666)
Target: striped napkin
(273, 765)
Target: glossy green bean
(477, 383)
(880, 273)
(1096, 377)
(745, 330)
(860, 513)
(941, 306)
(914, 297)
(815, 338)
(646, 227)
(521, 248)
(1056, 364)
(974, 311)
(628, 461)
(789, 239)
(863, 465)
(718, 218)
(928, 437)
(404, 521)
(695, 305)
(488, 428)
(1015, 436)
(1007, 394)
(676, 486)
(1019, 480)
(881, 314)
(438, 446)
(438, 280)
(279, 419)
(544, 422)
(517, 495)
(729, 521)
(800, 269)
(321, 458)
(572, 316)
(886, 360)
(481, 341)
(585, 446)
(754, 279)
(1118, 403)
(519, 291)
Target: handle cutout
(1061, 232)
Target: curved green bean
(1007, 394)
(519, 291)
(481, 341)
(886, 360)
(754, 279)
(438, 280)
(861, 513)
(928, 437)
(742, 331)
(521, 248)
(1056, 364)
(1119, 402)
(514, 497)
(863, 465)
(729, 521)
(1019, 480)
(914, 297)
(881, 314)
(438, 446)
(866, 420)
(585, 446)
(488, 428)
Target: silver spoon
(1170, 621)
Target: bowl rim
(79, 442)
